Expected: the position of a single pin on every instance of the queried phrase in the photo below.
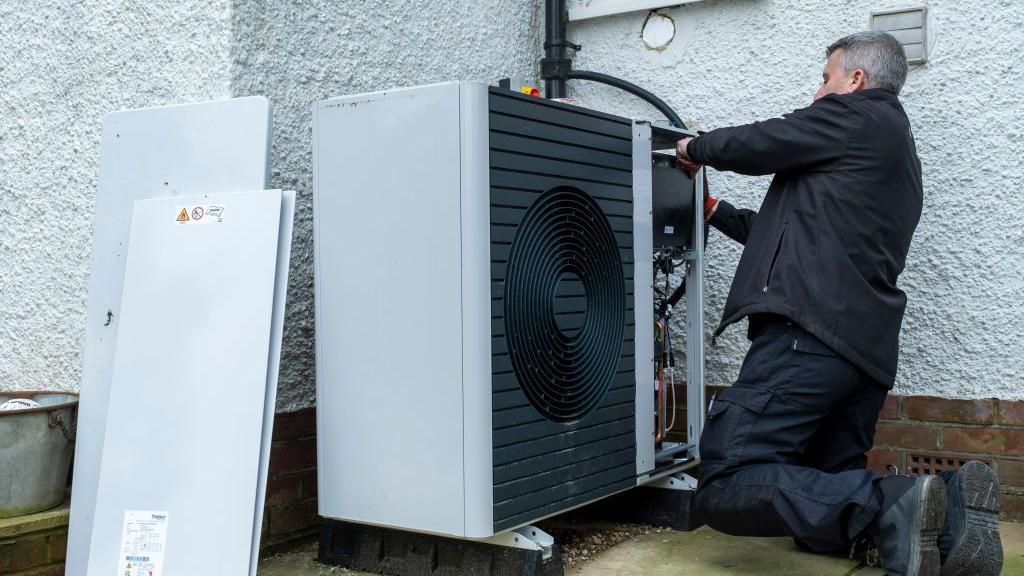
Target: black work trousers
(783, 452)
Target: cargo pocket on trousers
(728, 422)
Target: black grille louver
(561, 437)
(564, 304)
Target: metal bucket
(35, 451)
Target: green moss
(14, 512)
(34, 522)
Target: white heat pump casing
(403, 295)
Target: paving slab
(666, 553)
(710, 553)
(1013, 548)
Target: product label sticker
(142, 543)
(202, 214)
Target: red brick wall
(924, 434)
(35, 553)
(290, 512)
(289, 515)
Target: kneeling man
(784, 449)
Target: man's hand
(683, 157)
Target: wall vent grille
(922, 464)
(909, 26)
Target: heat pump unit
(484, 308)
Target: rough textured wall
(63, 66)
(296, 53)
(735, 61)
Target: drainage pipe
(556, 62)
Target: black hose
(632, 89)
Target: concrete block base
(395, 552)
(659, 507)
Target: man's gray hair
(878, 54)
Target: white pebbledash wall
(736, 61)
(63, 66)
(296, 53)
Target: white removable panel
(284, 252)
(211, 147)
(695, 403)
(388, 309)
(188, 398)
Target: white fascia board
(598, 8)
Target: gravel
(580, 541)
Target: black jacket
(834, 229)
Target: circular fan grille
(565, 305)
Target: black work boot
(969, 541)
(907, 527)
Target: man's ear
(858, 80)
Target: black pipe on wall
(556, 66)
(555, 54)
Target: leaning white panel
(211, 147)
(284, 252)
(188, 396)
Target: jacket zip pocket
(775, 258)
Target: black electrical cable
(633, 89)
(680, 290)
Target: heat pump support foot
(667, 502)
(526, 551)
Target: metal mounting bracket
(525, 538)
(552, 68)
(688, 254)
(674, 482)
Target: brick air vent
(921, 464)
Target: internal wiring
(672, 388)
(663, 337)
(659, 412)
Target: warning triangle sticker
(183, 216)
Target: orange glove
(710, 202)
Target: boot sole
(979, 551)
(925, 557)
